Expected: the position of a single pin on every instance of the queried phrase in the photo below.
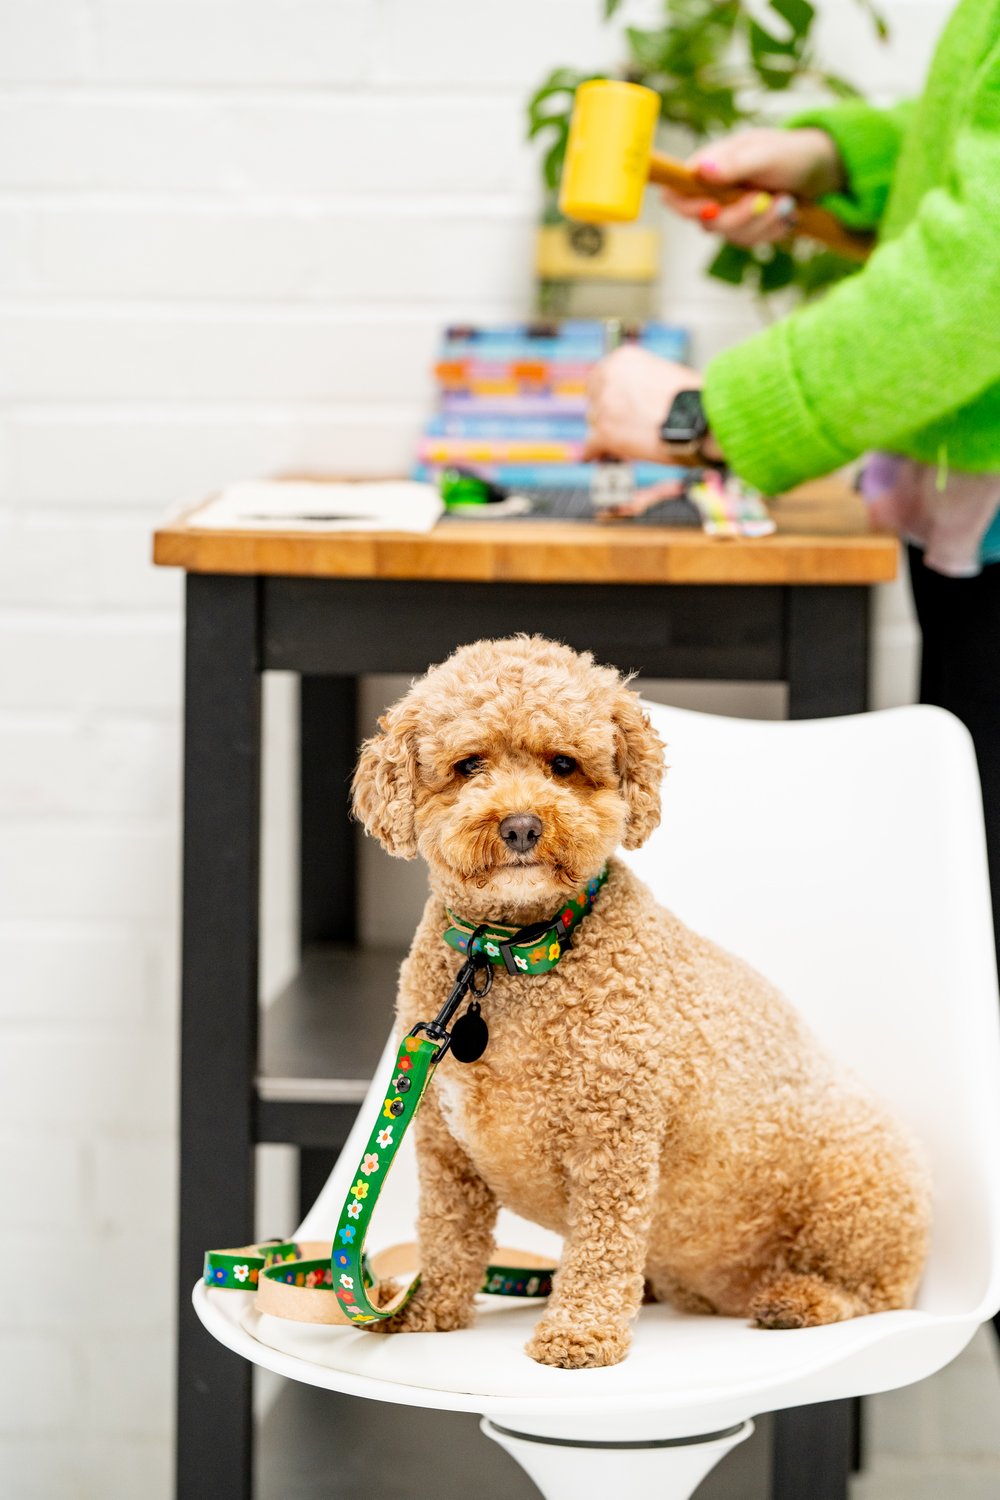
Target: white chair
(845, 859)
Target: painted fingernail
(761, 204)
(707, 168)
(785, 206)
(709, 212)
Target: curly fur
(652, 1099)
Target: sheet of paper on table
(312, 505)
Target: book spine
(536, 371)
(587, 344)
(547, 427)
(505, 387)
(510, 408)
(555, 475)
(496, 450)
(527, 337)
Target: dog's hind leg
(862, 1240)
(790, 1299)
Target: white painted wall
(229, 233)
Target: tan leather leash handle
(292, 1279)
(817, 223)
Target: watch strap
(683, 435)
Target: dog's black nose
(521, 832)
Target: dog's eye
(469, 766)
(563, 765)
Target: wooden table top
(822, 538)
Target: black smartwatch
(685, 427)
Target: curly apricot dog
(651, 1098)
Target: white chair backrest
(845, 859)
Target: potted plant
(715, 65)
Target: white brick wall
(228, 235)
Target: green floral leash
(240, 1270)
(347, 1272)
(414, 1069)
(344, 1269)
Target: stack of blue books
(512, 400)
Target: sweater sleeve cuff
(756, 411)
(868, 142)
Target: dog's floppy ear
(385, 782)
(639, 758)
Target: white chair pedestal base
(670, 1469)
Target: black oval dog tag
(469, 1035)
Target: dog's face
(515, 768)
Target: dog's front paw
(577, 1344)
(429, 1312)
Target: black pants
(960, 670)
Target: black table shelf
(322, 1036)
(320, 1042)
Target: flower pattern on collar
(542, 950)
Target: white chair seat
(845, 859)
(692, 1374)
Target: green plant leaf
(774, 79)
(558, 80)
(650, 49)
(721, 107)
(798, 13)
(548, 122)
(561, 81)
(551, 105)
(774, 61)
(610, 6)
(777, 60)
(731, 264)
(814, 273)
(552, 162)
(764, 44)
(777, 271)
(541, 121)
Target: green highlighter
(463, 489)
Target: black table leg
(812, 1451)
(218, 1014)
(328, 746)
(315, 1165)
(328, 848)
(826, 666)
(826, 650)
(857, 1434)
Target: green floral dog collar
(525, 950)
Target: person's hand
(777, 164)
(628, 396)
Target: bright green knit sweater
(904, 356)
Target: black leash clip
(476, 977)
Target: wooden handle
(814, 222)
